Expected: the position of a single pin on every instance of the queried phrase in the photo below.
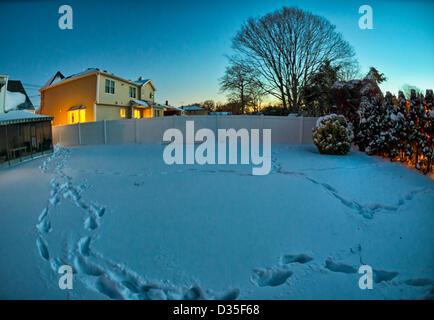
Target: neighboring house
(220, 113)
(17, 98)
(22, 134)
(94, 95)
(171, 110)
(194, 110)
(3, 88)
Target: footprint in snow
(270, 277)
(292, 258)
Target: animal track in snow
(367, 210)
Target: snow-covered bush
(332, 134)
(398, 128)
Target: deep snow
(133, 227)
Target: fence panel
(283, 129)
(121, 131)
(292, 130)
(92, 133)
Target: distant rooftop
(20, 116)
(192, 108)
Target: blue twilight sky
(181, 45)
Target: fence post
(301, 129)
(79, 133)
(59, 135)
(105, 131)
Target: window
(76, 116)
(137, 113)
(157, 113)
(123, 113)
(132, 92)
(151, 95)
(109, 86)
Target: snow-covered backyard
(133, 227)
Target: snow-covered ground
(133, 227)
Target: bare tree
(286, 47)
(349, 70)
(209, 105)
(241, 82)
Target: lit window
(137, 113)
(123, 113)
(132, 92)
(109, 86)
(157, 113)
(76, 116)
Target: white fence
(291, 130)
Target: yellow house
(95, 95)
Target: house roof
(76, 108)
(168, 106)
(192, 108)
(21, 116)
(17, 86)
(137, 102)
(144, 81)
(87, 72)
(50, 81)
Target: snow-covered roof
(220, 113)
(20, 116)
(144, 81)
(55, 78)
(141, 82)
(137, 102)
(16, 97)
(168, 106)
(59, 78)
(192, 108)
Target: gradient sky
(181, 45)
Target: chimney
(140, 78)
(167, 102)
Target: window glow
(137, 113)
(76, 116)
